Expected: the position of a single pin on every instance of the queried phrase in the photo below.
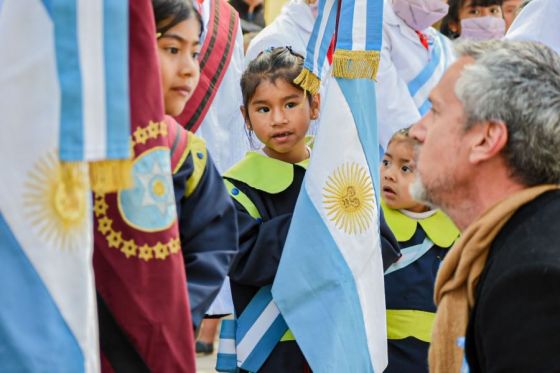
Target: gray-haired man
(489, 156)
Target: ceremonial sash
(410, 255)
(215, 57)
(420, 87)
(247, 341)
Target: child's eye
(385, 162)
(172, 50)
(263, 109)
(290, 105)
(495, 11)
(474, 11)
(195, 55)
(406, 169)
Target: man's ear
(490, 138)
(315, 106)
(245, 117)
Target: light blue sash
(247, 342)
(419, 87)
(410, 255)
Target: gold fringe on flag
(110, 175)
(350, 64)
(308, 81)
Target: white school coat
(292, 27)
(403, 57)
(538, 21)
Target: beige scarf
(458, 276)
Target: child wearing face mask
(414, 57)
(425, 236)
(474, 19)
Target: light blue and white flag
(318, 45)
(91, 46)
(48, 318)
(329, 285)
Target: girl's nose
(189, 66)
(278, 117)
(389, 175)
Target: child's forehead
(278, 86)
(482, 3)
(401, 147)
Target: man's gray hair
(517, 83)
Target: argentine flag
(329, 285)
(53, 106)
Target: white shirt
(403, 57)
(538, 21)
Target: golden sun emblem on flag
(348, 198)
(55, 201)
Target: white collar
(418, 215)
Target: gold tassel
(350, 64)
(110, 176)
(308, 81)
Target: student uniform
(409, 286)
(207, 220)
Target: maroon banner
(144, 316)
(215, 57)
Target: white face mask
(420, 14)
(483, 28)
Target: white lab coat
(538, 21)
(292, 27)
(403, 57)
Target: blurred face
(397, 173)
(468, 10)
(178, 51)
(279, 114)
(443, 151)
(509, 10)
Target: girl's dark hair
(453, 14)
(169, 13)
(272, 64)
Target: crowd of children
(263, 187)
(237, 223)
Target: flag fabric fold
(51, 119)
(95, 118)
(329, 285)
(358, 42)
(318, 46)
(145, 322)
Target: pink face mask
(483, 28)
(420, 14)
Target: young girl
(207, 223)
(474, 19)
(266, 183)
(424, 236)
